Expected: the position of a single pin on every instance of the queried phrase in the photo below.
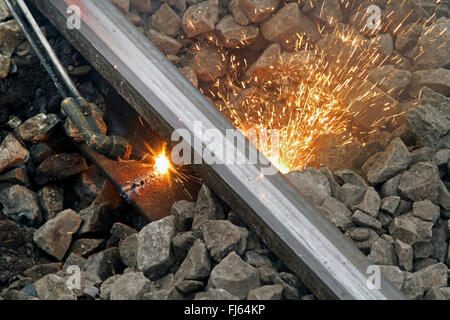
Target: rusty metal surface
(330, 265)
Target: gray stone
(272, 292)
(5, 66)
(208, 207)
(4, 12)
(390, 204)
(289, 292)
(366, 245)
(411, 230)
(12, 153)
(394, 275)
(383, 43)
(437, 80)
(351, 195)
(362, 219)
(181, 244)
(189, 74)
(267, 274)
(128, 251)
(166, 44)
(60, 166)
(233, 35)
(431, 120)
(196, 266)
(405, 255)
(257, 260)
(221, 237)
(105, 288)
(53, 287)
(20, 204)
(266, 62)
(16, 176)
(105, 263)
(312, 184)
(413, 287)
(385, 219)
(435, 294)
(38, 271)
(435, 40)
(408, 12)
(444, 195)
(390, 187)
(122, 5)
(327, 11)
(439, 242)
(423, 154)
(235, 276)
(85, 247)
(166, 21)
(74, 260)
(129, 286)
(89, 285)
(335, 186)
(215, 294)
(404, 207)
(208, 63)
(435, 275)
(393, 161)
(55, 236)
(422, 250)
(189, 286)
(200, 18)
(121, 230)
(154, 254)
(420, 182)
(442, 157)
(285, 26)
(426, 210)
(183, 211)
(420, 264)
(141, 5)
(371, 203)
(383, 253)
(337, 213)
(348, 176)
(95, 219)
(180, 5)
(294, 282)
(359, 234)
(51, 200)
(258, 10)
(392, 80)
(237, 12)
(37, 128)
(164, 294)
(10, 37)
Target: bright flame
(162, 164)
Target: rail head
(303, 239)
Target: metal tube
(48, 48)
(44, 61)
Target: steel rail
(330, 265)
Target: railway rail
(330, 265)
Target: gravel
(392, 201)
